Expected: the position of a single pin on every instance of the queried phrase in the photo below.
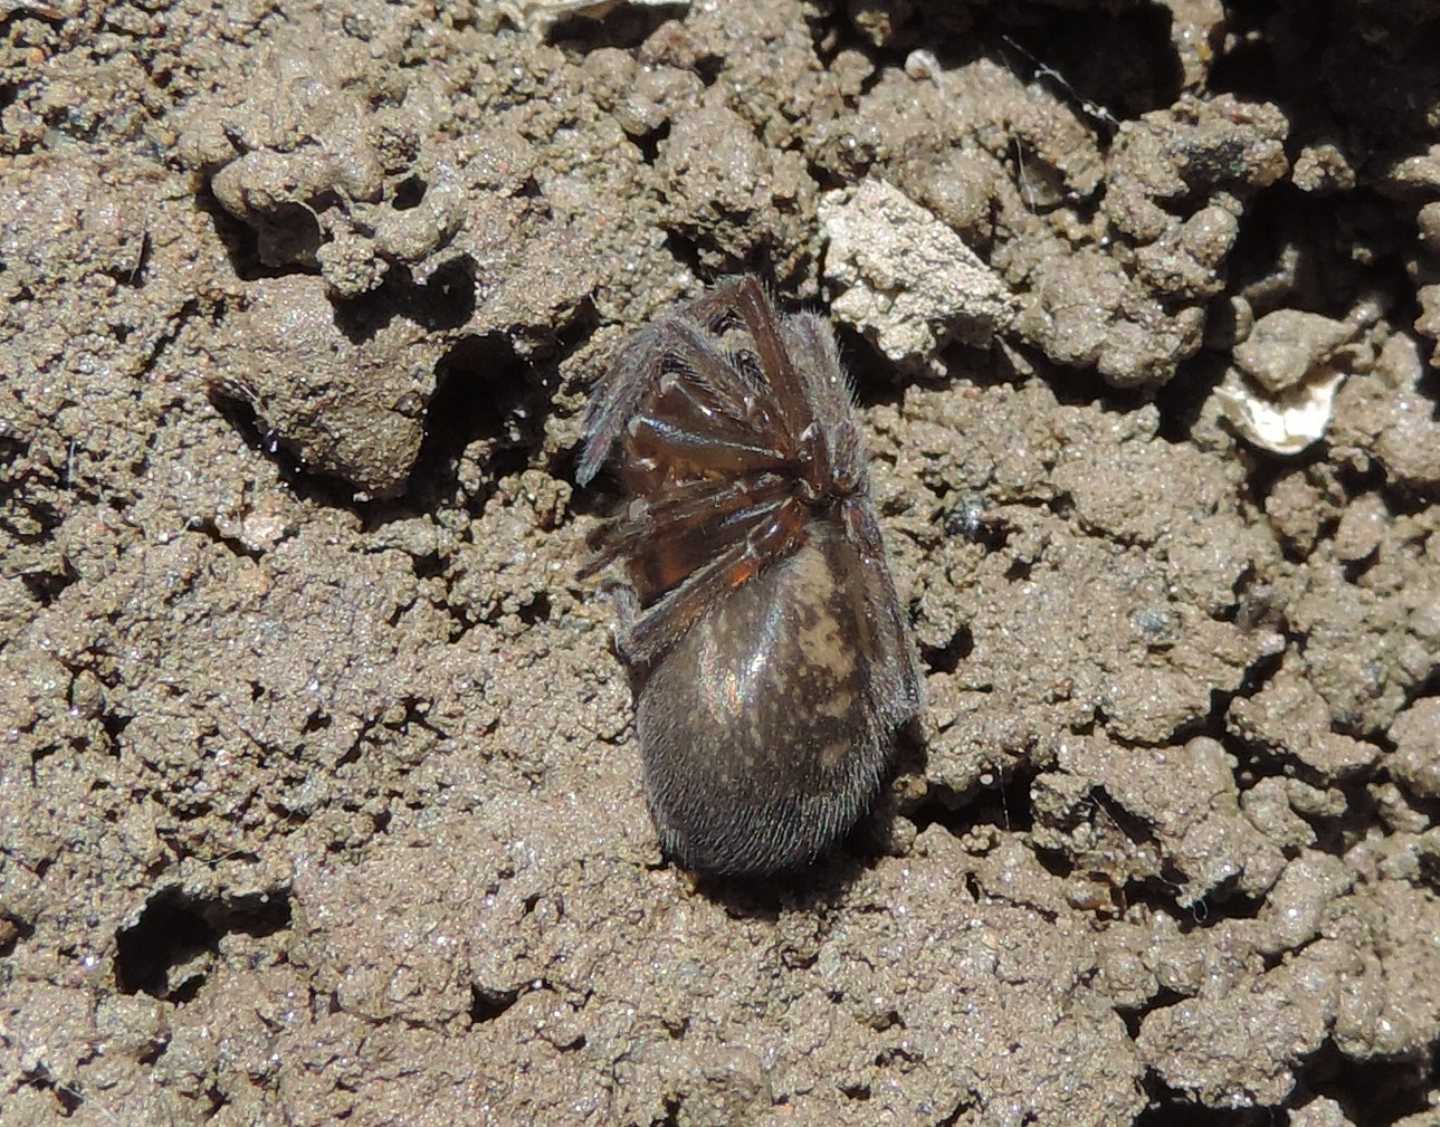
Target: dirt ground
(319, 794)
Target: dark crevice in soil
(649, 143)
(488, 1003)
(44, 587)
(1003, 802)
(1056, 861)
(1325, 61)
(537, 610)
(1268, 270)
(218, 1099)
(947, 658)
(1257, 605)
(1086, 387)
(445, 299)
(490, 398)
(1133, 1017)
(237, 408)
(241, 241)
(1356, 480)
(231, 544)
(709, 68)
(867, 370)
(825, 181)
(13, 931)
(1372, 1092)
(1162, 894)
(686, 254)
(409, 193)
(428, 566)
(67, 1097)
(352, 753)
(944, 806)
(626, 26)
(114, 726)
(1181, 400)
(485, 396)
(1169, 1107)
(1018, 571)
(175, 928)
(1135, 829)
(27, 519)
(1406, 499)
(1115, 65)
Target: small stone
(1322, 170)
(1428, 220)
(1416, 759)
(1287, 345)
(909, 282)
(1361, 528)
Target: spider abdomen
(755, 729)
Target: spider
(772, 665)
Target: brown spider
(772, 661)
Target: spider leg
(662, 624)
(627, 610)
(692, 510)
(714, 379)
(658, 447)
(618, 397)
(745, 297)
(707, 379)
(671, 557)
(719, 302)
(836, 453)
(794, 410)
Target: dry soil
(318, 794)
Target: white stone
(909, 282)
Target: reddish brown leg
(665, 622)
(759, 314)
(747, 297)
(658, 447)
(689, 509)
(670, 559)
(706, 374)
(713, 372)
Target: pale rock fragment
(1280, 394)
(909, 282)
(1285, 423)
